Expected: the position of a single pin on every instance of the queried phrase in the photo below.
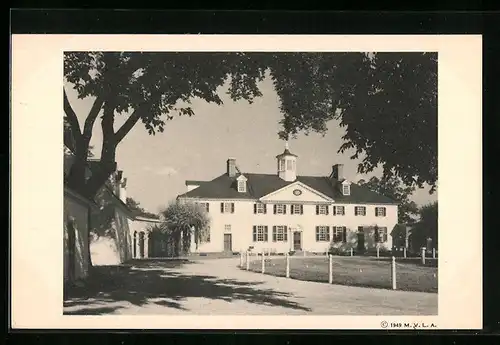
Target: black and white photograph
(252, 183)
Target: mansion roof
(260, 185)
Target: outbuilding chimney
(337, 172)
(231, 167)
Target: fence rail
(397, 273)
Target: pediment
(296, 192)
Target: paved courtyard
(218, 286)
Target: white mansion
(284, 212)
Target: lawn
(355, 271)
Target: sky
(197, 148)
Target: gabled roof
(259, 185)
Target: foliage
(427, 227)
(393, 188)
(136, 208)
(183, 219)
(385, 101)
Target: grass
(355, 271)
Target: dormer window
(346, 188)
(242, 186)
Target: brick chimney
(231, 167)
(337, 172)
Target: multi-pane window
(289, 165)
(380, 211)
(322, 233)
(279, 209)
(381, 234)
(227, 228)
(241, 186)
(360, 211)
(205, 206)
(339, 210)
(339, 234)
(260, 208)
(227, 207)
(260, 233)
(281, 165)
(321, 209)
(346, 189)
(280, 233)
(297, 209)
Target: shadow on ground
(157, 282)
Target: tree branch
(72, 118)
(89, 122)
(128, 125)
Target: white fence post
(241, 259)
(263, 262)
(423, 255)
(287, 265)
(352, 252)
(378, 251)
(393, 273)
(433, 253)
(248, 260)
(404, 252)
(330, 269)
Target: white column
(146, 245)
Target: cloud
(163, 171)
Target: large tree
(385, 101)
(426, 227)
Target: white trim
(294, 185)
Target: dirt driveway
(218, 287)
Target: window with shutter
(279, 233)
(260, 233)
(380, 211)
(339, 210)
(295, 209)
(254, 208)
(259, 208)
(321, 209)
(338, 233)
(344, 234)
(280, 209)
(286, 233)
(323, 233)
(274, 208)
(301, 209)
(227, 207)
